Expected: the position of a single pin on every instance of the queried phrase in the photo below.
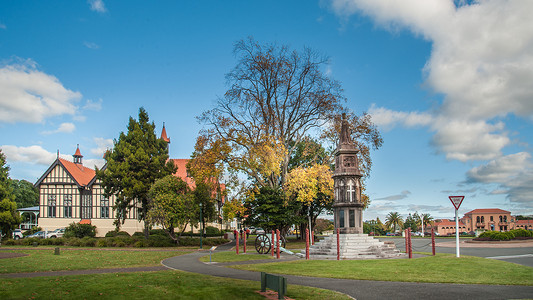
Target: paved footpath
(358, 289)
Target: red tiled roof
(524, 222)
(446, 223)
(85, 221)
(181, 163)
(78, 153)
(164, 135)
(81, 174)
(488, 211)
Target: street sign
(456, 200)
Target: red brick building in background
(493, 219)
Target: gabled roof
(82, 175)
(488, 211)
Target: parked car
(38, 234)
(56, 233)
(17, 234)
(259, 231)
(390, 234)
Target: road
(519, 253)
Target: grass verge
(443, 268)
(45, 260)
(146, 285)
(229, 256)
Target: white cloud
(63, 128)
(482, 63)
(402, 195)
(466, 140)
(93, 105)
(37, 155)
(387, 118)
(502, 170)
(91, 45)
(514, 175)
(29, 95)
(97, 5)
(32, 154)
(102, 146)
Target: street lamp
(201, 229)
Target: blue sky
(447, 82)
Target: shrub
(87, 242)
(101, 243)
(138, 234)
(120, 244)
(114, 233)
(212, 231)
(80, 230)
(140, 244)
(157, 232)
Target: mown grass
(45, 260)
(443, 268)
(230, 256)
(146, 285)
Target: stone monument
(348, 210)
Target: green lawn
(45, 260)
(443, 268)
(231, 256)
(146, 285)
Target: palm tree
(394, 220)
(426, 219)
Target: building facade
(69, 192)
(493, 219)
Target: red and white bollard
(410, 244)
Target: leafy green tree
(411, 222)
(137, 160)
(203, 197)
(393, 221)
(26, 195)
(269, 209)
(9, 217)
(171, 205)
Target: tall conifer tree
(9, 218)
(137, 160)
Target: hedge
(515, 234)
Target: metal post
(338, 245)
(306, 243)
(457, 233)
(433, 240)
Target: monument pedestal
(354, 246)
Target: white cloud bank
(37, 155)
(482, 62)
(29, 95)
